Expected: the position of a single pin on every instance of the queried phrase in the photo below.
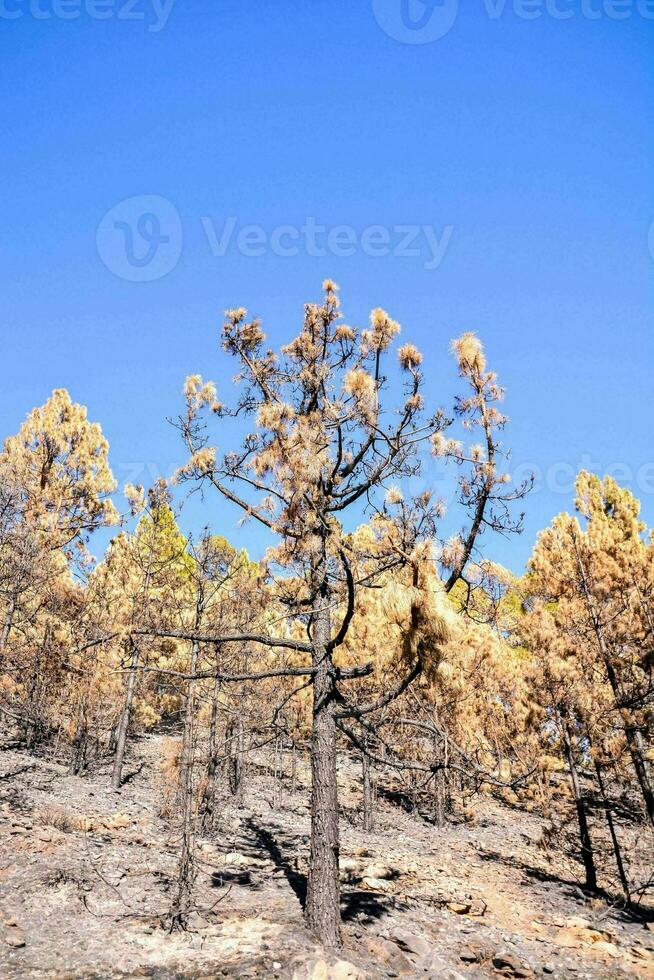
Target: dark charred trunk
(186, 870)
(614, 837)
(34, 727)
(367, 793)
(293, 768)
(78, 759)
(633, 735)
(234, 739)
(123, 724)
(8, 623)
(582, 817)
(278, 774)
(638, 751)
(323, 890)
(208, 802)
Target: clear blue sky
(530, 140)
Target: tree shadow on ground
(364, 906)
(398, 797)
(243, 878)
(420, 805)
(574, 889)
(533, 871)
(356, 904)
(267, 842)
(133, 774)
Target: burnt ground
(86, 878)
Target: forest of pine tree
(363, 640)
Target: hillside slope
(85, 876)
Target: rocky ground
(86, 877)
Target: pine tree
(323, 444)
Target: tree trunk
(278, 776)
(208, 802)
(123, 724)
(582, 817)
(34, 727)
(234, 746)
(633, 735)
(293, 768)
(440, 791)
(367, 793)
(323, 891)
(638, 751)
(614, 837)
(78, 760)
(186, 870)
(8, 623)
(439, 785)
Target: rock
(578, 932)
(239, 860)
(351, 866)
(508, 965)
(609, 949)
(14, 938)
(640, 953)
(474, 954)
(410, 943)
(322, 970)
(349, 869)
(119, 821)
(378, 871)
(439, 970)
(376, 885)
(459, 908)
(387, 955)
(469, 955)
(342, 970)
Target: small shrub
(60, 818)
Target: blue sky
(522, 144)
